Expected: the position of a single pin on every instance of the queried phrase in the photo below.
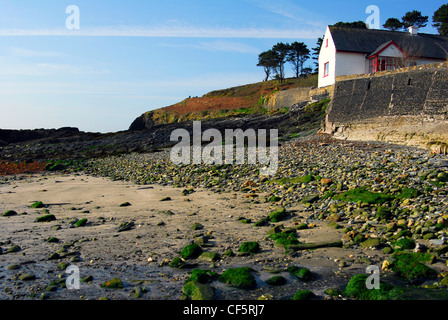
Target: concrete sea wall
(407, 106)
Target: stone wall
(407, 106)
(288, 98)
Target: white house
(347, 51)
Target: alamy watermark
(73, 21)
(373, 281)
(373, 21)
(72, 282)
(240, 147)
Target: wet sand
(140, 256)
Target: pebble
(335, 167)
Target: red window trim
(325, 69)
(326, 43)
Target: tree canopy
(393, 24)
(273, 61)
(440, 20)
(414, 18)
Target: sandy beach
(140, 256)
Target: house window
(377, 63)
(326, 44)
(326, 69)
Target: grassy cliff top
(240, 100)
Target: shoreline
(314, 173)
(105, 253)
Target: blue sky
(129, 57)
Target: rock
(125, 226)
(278, 214)
(46, 218)
(138, 292)
(13, 248)
(303, 295)
(37, 204)
(81, 222)
(54, 256)
(209, 256)
(249, 247)
(27, 277)
(198, 291)
(196, 226)
(9, 213)
(276, 281)
(370, 243)
(114, 283)
(241, 278)
(165, 199)
(437, 242)
(125, 204)
(191, 251)
(300, 273)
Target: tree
(267, 60)
(297, 55)
(440, 20)
(281, 50)
(355, 24)
(316, 52)
(393, 24)
(414, 18)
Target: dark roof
(369, 40)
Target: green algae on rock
(240, 278)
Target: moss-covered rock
(37, 204)
(209, 256)
(9, 213)
(276, 281)
(285, 239)
(202, 276)
(249, 247)
(357, 288)
(408, 193)
(178, 263)
(370, 243)
(241, 278)
(303, 295)
(46, 218)
(196, 226)
(81, 222)
(405, 243)
(278, 214)
(114, 283)
(191, 251)
(198, 291)
(363, 196)
(300, 273)
(262, 222)
(410, 265)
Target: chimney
(413, 30)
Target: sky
(102, 65)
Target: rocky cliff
(408, 106)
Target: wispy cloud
(169, 32)
(29, 53)
(292, 11)
(216, 46)
(49, 69)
